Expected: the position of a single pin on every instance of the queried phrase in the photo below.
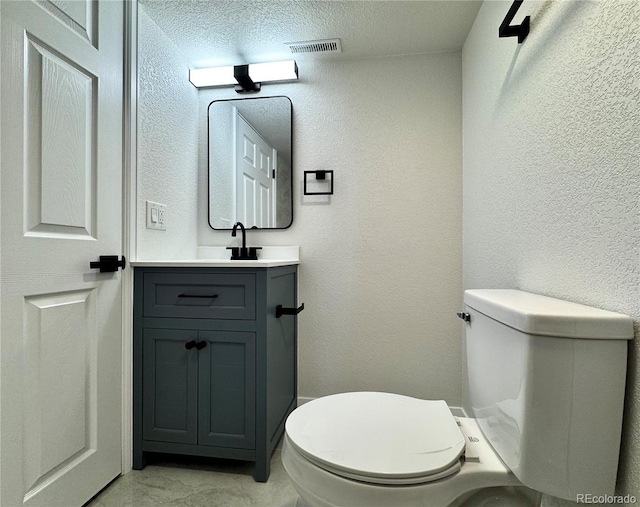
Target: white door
(255, 171)
(61, 207)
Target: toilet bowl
(534, 364)
(379, 449)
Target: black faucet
(243, 253)
(244, 234)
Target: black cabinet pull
(280, 311)
(198, 345)
(205, 296)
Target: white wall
(381, 259)
(221, 152)
(167, 146)
(552, 166)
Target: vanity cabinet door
(170, 383)
(227, 389)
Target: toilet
(546, 383)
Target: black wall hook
(280, 311)
(521, 31)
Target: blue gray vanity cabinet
(214, 369)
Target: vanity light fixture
(246, 78)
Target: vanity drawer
(200, 296)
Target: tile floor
(194, 482)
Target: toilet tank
(546, 383)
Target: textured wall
(283, 193)
(167, 145)
(221, 148)
(552, 165)
(381, 259)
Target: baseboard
(304, 399)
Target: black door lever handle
(108, 263)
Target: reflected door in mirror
(255, 171)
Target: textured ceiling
(222, 32)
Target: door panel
(60, 353)
(227, 389)
(61, 145)
(79, 15)
(60, 322)
(170, 380)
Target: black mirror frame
(209, 164)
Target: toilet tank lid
(541, 315)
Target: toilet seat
(378, 438)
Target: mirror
(250, 170)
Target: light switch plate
(156, 216)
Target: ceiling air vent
(315, 46)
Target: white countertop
(219, 257)
(215, 263)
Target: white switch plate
(156, 216)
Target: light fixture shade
(273, 71)
(214, 76)
(258, 72)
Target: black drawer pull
(201, 345)
(280, 311)
(197, 296)
(190, 345)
